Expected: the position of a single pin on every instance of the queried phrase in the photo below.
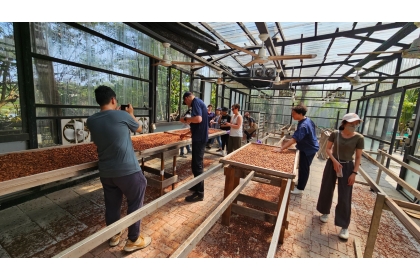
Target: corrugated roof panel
(293, 30)
(331, 27)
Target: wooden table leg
(174, 170)
(229, 187)
(281, 195)
(162, 172)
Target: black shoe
(196, 196)
(208, 147)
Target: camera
(123, 107)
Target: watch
(354, 172)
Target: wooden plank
(199, 233)
(253, 213)
(257, 202)
(18, 184)
(171, 153)
(409, 224)
(162, 184)
(266, 181)
(155, 171)
(406, 204)
(395, 177)
(409, 167)
(374, 225)
(86, 245)
(357, 247)
(378, 176)
(279, 221)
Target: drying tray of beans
(154, 142)
(265, 159)
(21, 164)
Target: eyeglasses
(233, 108)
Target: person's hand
(352, 179)
(337, 166)
(278, 150)
(130, 109)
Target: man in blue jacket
(199, 135)
(307, 144)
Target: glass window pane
(162, 94)
(10, 113)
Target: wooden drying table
(236, 170)
(165, 152)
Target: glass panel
(10, 113)
(47, 133)
(65, 42)
(61, 84)
(412, 178)
(175, 94)
(162, 94)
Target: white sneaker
(296, 191)
(344, 234)
(324, 218)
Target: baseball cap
(186, 94)
(219, 109)
(224, 109)
(351, 117)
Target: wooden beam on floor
(199, 233)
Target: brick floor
(79, 210)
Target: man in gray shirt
(119, 170)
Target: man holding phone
(119, 170)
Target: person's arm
(130, 110)
(238, 124)
(287, 144)
(188, 120)
(358, 159)
(328, 150)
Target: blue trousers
(133, 186)
(305, 162)
(181, 150)
(197, 164)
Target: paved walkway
(45, 226)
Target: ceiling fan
(412, 52)
(262, 57)
(355, 81)
(166, 61)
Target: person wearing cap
(235, 134)
(307, 144)
(199, 135)
(341, 147)
(225, 118)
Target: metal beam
(175, 46)
(404, 46)
(326, 36)
(243, 27)
(400, 34)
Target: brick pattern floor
(45, 226)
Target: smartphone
(123, 107)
